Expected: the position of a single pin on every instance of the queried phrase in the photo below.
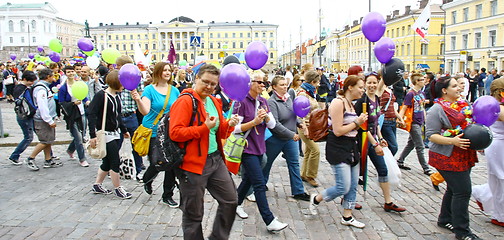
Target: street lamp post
(320, 34)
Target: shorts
(45, 133)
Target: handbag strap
(160, 114)
(388, 103)
(104, 110)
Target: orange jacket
(198, 136)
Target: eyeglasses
(259, 82)
(371, 74)
(209, 83)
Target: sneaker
(55, 158)
(352, 222)
(71, 155)
(84, 163)
(143, 167)
(497, 222)
(15, 162)
(148, 188)
(98, 188)
(52, 164)
(170, 202)
(436, 187)
(392, 207)
(302, 196)
(276, 225)
(121, 193)
(448, 226)
(402, 166)
(31, 165)
(251, 197)
(428, 172)
(471, 236)
(313, 206)
(241, 213)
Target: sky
(288, 14)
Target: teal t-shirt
(157, 102)
(212, 111)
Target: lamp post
(320, 34)
(300, 45)
(369, 46)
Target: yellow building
(218, 40)
(474, 34)
(349, 47)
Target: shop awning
(422, 66)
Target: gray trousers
(415, 141)
(219, 183)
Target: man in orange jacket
(203, 165)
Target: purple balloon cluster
(486, 110)
(54, 56)
(373, 28)
(256, 55)
(130, 76)
(301, 105)
(235, 81)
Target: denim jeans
(346, 178)
(131, 124)
(389, 132)
(455, 204)
(27, 128)
(76, 143)
(379, 163)
(290, 148)
(415, 141)
(253, 176)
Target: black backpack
(24, 105)
(166, 153)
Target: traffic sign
(195, 41)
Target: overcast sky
(288, 14)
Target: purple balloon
(54, 56)
(384, 50)
(130, 76)
(486, 110)
(13, 56)
(85, 44)
(256, 55)
(235, 81)
(40, 48)
(301, 106)
(82, 55)
(373, 26)
(31, 55)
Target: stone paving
(56, 203)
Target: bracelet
(381, 139)
(376, 145)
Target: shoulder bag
(408, 116)
(100, 151)
(142, 136)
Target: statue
(86, 29)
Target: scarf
(310, 89)
(460, 110)
(284, 98)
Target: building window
(248, 35)
(493, 8)
(185, 56)
(403, 31)
(443, 28)
(256, 34)
(131, 37)
(11, 39)
(211, 55)
(479, 9)
(453, 41)
(211, 45)
(392, 34)
(464, 41)
(424, 49)
(271, 55)
(397, 32)
(117, 37)
(109, 37)
(234, 35)
(408, 49)
(146, 46)
(271, 34)
(211, 35)
(218, 35)
(234, 44)
(477, 40)
(202, 35)
(117, 46)
(465, 14)
(33, 26)
(34, 39)
(49, 26)
(131, 47)
(264, 35)
(225, 35)
(146, 36)
(124, 37)
(124, 47)
(22, 26)
(241, 35)
(402, 50)
(492, 37)
(441, 49)
(454, 17)
(185, 46)
(11, 26)
(271, 44)
(153, 36)
(153, 46)
(22, 39)
(477, 65)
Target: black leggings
(151, 173)
(111, 161)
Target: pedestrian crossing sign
(195, 41)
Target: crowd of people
(266, 118)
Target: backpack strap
(193, 115)
(33, 91)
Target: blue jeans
(27, 128)
(131, 123)
(253, 176)
(290, 148)
(379, 163)
(76, 143)
(346, 178)
(389, 132)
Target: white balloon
(93, 62)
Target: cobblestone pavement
(56, 203)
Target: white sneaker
(251, 197)
(313, 206)
(276, 225)
(352, 222)
(241, 213)
(84, 163)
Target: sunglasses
(260, 82)
(371, 74)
